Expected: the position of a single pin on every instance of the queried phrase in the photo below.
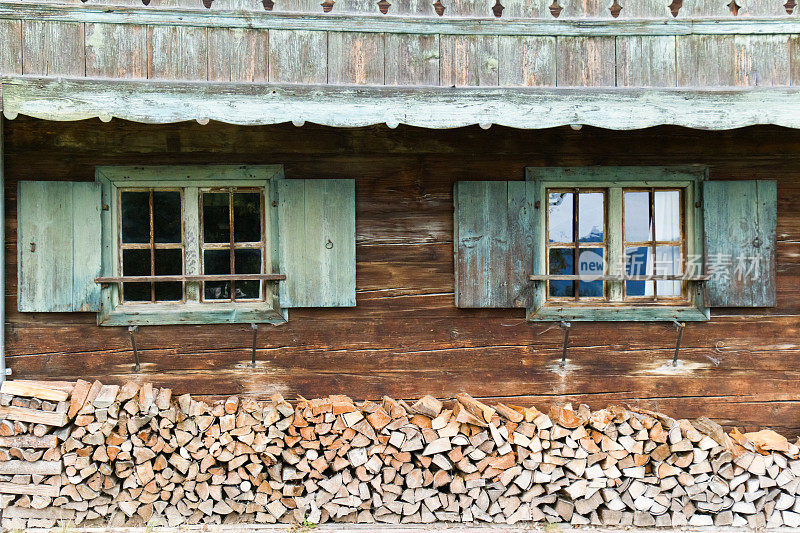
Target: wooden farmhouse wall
(405, 337)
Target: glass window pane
(136, 263)
(637, 216)
(167, 216)
(561, 260)
(248, 262)
(216, 222)
(639, 262)
(135, 207)
(136, 292)
(169, 262)
(559, 216)
(668, 212)
(668, 261)
(217, 262)
(590, 266)
(591, 216)
(247, 217)
(169, 291)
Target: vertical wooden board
(116, 50)
(794, 60)
(586, 61)
(357, 6)
(733, 60)
(469, 60)
(291, 233)
(11, 50)
(355, 58)
(297, 6)
(298, 56)
(521, 220)
(527, 61)
(646, 61)
(177, 53)
(469, 8)
(238, 54)
(762, 8)
(646, 9)
(705, 8)
(762, 60)
(585, 9)
(191, 239)
(86, 248)
(412, 59)
(705, 60)
(53, 48)
(740, 232)
(419, 8)
(526, 9)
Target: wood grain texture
(355, 58)
(585, 9)
(646, 9)
(238, 55)
(177, 53)
(406, 337)
(585, 62)
(526, 9)
(116, 51)
(11, 51)
(468, 60)
(527, 61)
(298, 56)
(646, 61)
(411, 59)
(53, 48)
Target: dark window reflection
(248, 262)
(135, 207)
(217, 262)
(247, 217)
(216, 222)
(167, 216)
(561, 262)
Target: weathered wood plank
(585, 9)
(298, 56)
(411, 59)
(22, 388)
(42, 468)
(50, 491)
(29, 441)
(53, 48)
(468, 60)
(646, 61)
(585, 62)
(11, 51)
(177, 53)
(526, 9)
(23, 414)
(527, 61)
(645, 9)
(116, 51)
(238, 55)
(469, 8)
(355, 58)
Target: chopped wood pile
(134, 455)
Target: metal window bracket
(255, 341)
(132, 331)
(565, 326)
(679, 326)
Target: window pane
(668, 261)
(559, 216)
(637, 216)
(136, 263)
(247, 262)
(169, 262)
(591, 216)
(135, 217)
(247, 217)
(136, 292)
(668, 212)
(216, 223)
(217, 262)
(639, 262)
(167, 216)
(561, 260)
(590, 266)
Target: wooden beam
(428, 107)
(375, 23)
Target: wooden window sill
(190, 313)
(555, 313)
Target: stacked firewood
(135, 455)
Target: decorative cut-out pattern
(268, 4)
(615, 9)
(556, 9)
(146, 2)
(497, 9)
(790, 5)
(327, 5)
(207, 3)
(439, 7)
(384, 6)
(675, 7)
(734, 7)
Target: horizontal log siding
(406, 338)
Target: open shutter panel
(317, 236)
(59, 245)
(740, 228)
(494, 243)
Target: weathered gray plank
(355, 58)
(645, 9)
(411, 59)
(794, 60)
(11, 51)
(317, 242)
(236, 54)
(177, 53)
(298, 56)
(116, 51)
(762, 8)
(740, 232)
(53, 48)
(586, 61)
(733, 60)
(706, 8)
(585, 9)
(469, 60)
(296, 6)
(468, 8)
(357, 6)
(526, 9)
(417, 8)
(646, 61)
(527, 61)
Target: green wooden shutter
(317, 242)
(58, 246)
(494, 243)
(740, 228)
